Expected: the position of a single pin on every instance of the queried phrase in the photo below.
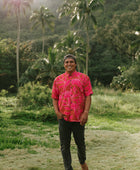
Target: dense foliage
(128, 79)
(114, 43)
(8, 61)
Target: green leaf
(74, 19)
(93, 19)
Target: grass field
(112, 135)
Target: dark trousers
(65, 130)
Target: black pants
(65, 130)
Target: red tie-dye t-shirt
(70, 91)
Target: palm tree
(48, 67)
(82, 11)
(43, 17)
(44, 70)
(17, 6)
(72, 43)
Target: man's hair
(70, 56)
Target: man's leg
(65, 139)
(79, 137)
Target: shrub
(129, 79)
(121, 82)
(33, 95)
(134, 74)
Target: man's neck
(70, 73)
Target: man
(71, 95)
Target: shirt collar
(68, 75)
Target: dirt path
(106, 150)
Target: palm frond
(93, 19)
(74, 19)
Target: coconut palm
(72, 43)
(50, 67)
(44, 17)
(17, 6)
(44, 70)
(82, 11)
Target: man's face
(69, 65)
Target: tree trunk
(43, 41)
(18, 45)
(87, 50)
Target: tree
(44, 70)
(7, 64)
(72, 43)
(82, 11)
(18, 6)
(49, 67)
(44, 17)
(121, 35)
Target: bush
(129, 79)
(134, 74)
(33, 95)
(121, 82)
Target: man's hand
(84, 118)
(60, 115)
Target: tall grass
(115, 104)
(110, 109)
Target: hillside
(8, 23)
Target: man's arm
(55, 105)
(84, 116)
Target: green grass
(22, 128)
(28, 134)
(111, 109)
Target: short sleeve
(55, 91)
(87, 86)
